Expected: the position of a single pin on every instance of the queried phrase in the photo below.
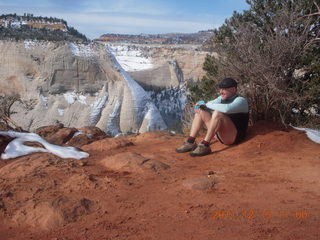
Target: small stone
(210, 172)
(200, 183)
(82, 163)
(172, 133)
(92, 178)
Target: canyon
(95, 84)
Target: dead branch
(314, 14)
(313, 41)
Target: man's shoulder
(241, 98)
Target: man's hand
(197, 106)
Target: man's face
(227, 92)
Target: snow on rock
(16, 148)
(96, 108)
(80, 132)
(31, 44)
(28, 44)
(71, 97)
(130, 59)
(142, 103)
(169, 101)
(152, 119)
(77, 133)
(312, 134)
(61, 112)
(82, 99)
(83, 50)
(44, 101)
(113, 120)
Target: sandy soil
(139, 188)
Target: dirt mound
(52, 214)
(137, 187)
(132, 162)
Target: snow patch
(82, 99)
(83, 50)
(131, 59)
(44, 101)
(16, 148)
(313, 135)
(71, 97)
(29, 44)
(77, 133)
(61, 111)
(81, 133)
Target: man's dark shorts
(240, 121)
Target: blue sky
(96, 17)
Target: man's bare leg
(218, 124)
(222, 125)
(201, 117)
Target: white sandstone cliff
(75, 84)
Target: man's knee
(218, 115)
(204, 114)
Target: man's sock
(191, 139)
(207, 144)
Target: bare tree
(6, 103)
(267, 57)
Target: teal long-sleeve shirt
(238, 105)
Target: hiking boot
(186, 147)
(201, 150)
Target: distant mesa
(28, 26)
(15, 21)
(167, 38)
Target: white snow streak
(112, 124)
(96, 108)
(312, 134)
(16, 148)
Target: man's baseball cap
(227, 83)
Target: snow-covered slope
(131, 59)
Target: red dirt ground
(139, 188)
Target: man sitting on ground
(225, 117)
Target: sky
(96, 17)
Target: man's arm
(239, 105)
